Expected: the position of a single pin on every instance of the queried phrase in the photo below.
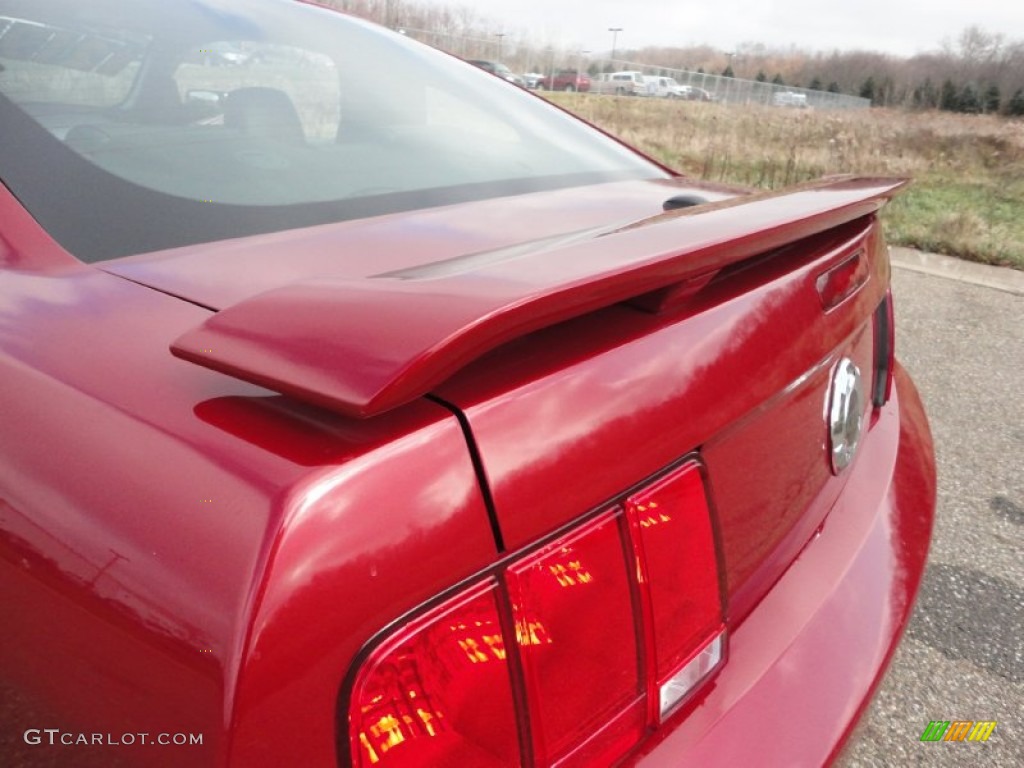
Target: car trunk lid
(583, 364)
(576, 416)
(363, 346)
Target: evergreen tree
(867, 90)
(948, 99)
(992, 99)
(727, 72)
(777, 80)
(969, 100)
(1015, 107)
(816, 84)
(833, 87)
(761, 76)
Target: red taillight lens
(438, 692)
(574, 621)
(615, 625)
(676, 560)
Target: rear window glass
(209, 119)
(308, 78)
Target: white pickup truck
(665, 88)
(621, 83)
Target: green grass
(967, 196)
(977, 220)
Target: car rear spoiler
(365, 346)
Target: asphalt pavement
(960, 333)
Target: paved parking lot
(963, 655)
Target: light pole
(615, 36)
(499, 35)
(731, 81)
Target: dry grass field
(967, 198)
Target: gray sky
(900, 27)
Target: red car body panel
(183, 550)
(405, 332)
(274, 561)
(220, 274)
(794, 686)
(155, 591)
(654, 383)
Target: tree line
(978, 72)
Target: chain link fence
(735, 90)
(546, 61)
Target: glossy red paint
(158, 521)
(654, 383)
(23, 243)
(805, 662)
(384, 341)
(220, 274)
(183, 551)
(240, 619)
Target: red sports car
(359, 410)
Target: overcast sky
(900, 27)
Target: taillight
(676, 562)
(438, 691)
(885, 352)
(565, 654)
(576, 635)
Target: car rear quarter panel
(362, 545)
(129, 538)
(183, 552)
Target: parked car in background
(367, 412)
(532, 78)
(790, 99)
(665, 87)
(499, 69)
(565, 80)
(693, 93)
(628, 83)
